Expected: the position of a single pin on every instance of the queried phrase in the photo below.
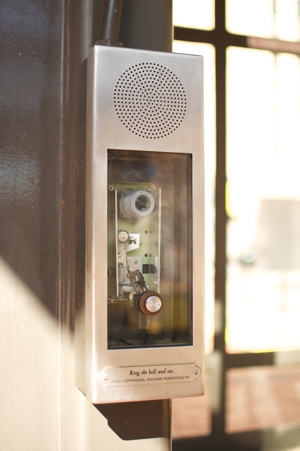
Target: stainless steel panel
(107, 129)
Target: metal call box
(144, 295)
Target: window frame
(219, 362)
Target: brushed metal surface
(106, 131)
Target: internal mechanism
(149, 249)
(136, 210)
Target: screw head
(104, 377)
(123, 236)
(196, 372)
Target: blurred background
(251, 52)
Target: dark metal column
(144, 25)
(221, 216)
(30, 143)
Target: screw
(195, 372)
(104, 376)
(111, 188)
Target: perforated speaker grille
(150, 100)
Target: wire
(111, 21)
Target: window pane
(209, 157)
(264, 18)
(287, 20)
(194, 14)
(260, 398)
(263, 285)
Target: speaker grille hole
(150, 100)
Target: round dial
(149, 302)
(153, 304)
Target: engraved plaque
(154, 374)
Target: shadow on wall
(138, 420)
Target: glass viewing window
(149, 249)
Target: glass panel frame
(263, 201)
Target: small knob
(149, 303)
